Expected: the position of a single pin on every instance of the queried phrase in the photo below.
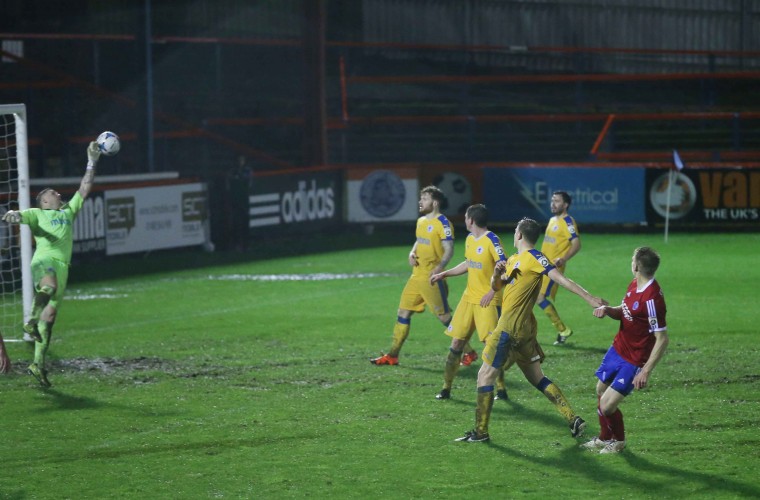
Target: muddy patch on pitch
(146, 369)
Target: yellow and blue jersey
(560, 231)
(431, 233)
(523, 275)
(481, 255)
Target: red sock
(605, 433)
(617, 426)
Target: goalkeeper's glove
(12, 217)
(93, 154)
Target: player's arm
(498, 271)
(575, 247)
(660, 344)
(5, 362)
(574, 287)
(12, 217)
(448, 253)
(413, 256)
(458, 270)
(93, 155)
(612, 312)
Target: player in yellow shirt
(514, 339)
(430, 253)
(561, 243)
(480, 304)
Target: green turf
(196, 385)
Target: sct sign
(153, 218)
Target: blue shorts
(617, 372)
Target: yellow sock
(500, 381)
(553, 315)
(483, 410)
(400, 333)
(554, 394)
(451, 368)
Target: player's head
(560, 202)
(432, 199)
(477, 215)
(49, 199)
(645, 261)
(528, 230)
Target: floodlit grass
(211, 384)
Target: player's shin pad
(554, 394)
(451, 368)
(40, 348)
(553, 315)
(41, 299)
(483, 410)
(400, 333)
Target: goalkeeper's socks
(40, 348)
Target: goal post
(15, 247)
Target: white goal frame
(22, 167)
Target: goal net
(15, 241)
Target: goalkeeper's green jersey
(53, 230)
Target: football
(457, 189)
(108, 143)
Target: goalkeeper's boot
(562, 336)
(385, 359)
(502, 395)
(40, 374)
(31, 329)
(473, 437)
(468, 358)
(444, 394)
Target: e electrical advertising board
(599, 194)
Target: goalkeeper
(52, 227)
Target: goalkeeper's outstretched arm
(93, 155)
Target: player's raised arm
(93, 155)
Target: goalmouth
(16, 289)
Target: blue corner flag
(677, 161)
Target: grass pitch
(251, 381)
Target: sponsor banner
(152, 218)
(600, 195)
(90, 225)
(382, 195)
(305, 200)
(720, 197)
